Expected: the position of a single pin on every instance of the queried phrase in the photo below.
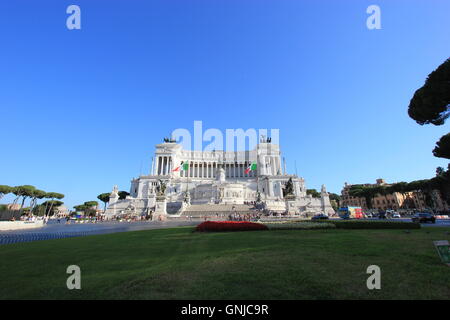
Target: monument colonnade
(163, 165)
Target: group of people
(31, 218)
(244, 216)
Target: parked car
(320, 216)
(423, 218)
(396, 215)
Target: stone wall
(17, 225)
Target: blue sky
(81, 110)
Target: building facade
(394, 201)
(213, 178)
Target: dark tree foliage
(88, 208)
(313, 192)
(44, 208)
(104, 197)
(123, 195)
(5, 190)
(431, 103)
(334, 196)
(91, 203)
(442, 149)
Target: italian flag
(251, 167)
(182, 167)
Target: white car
(396, 215)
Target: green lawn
(179, 264)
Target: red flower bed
(230, 226)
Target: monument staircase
(199, 210)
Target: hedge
(371, 224)
(230, 226)
(288, 225)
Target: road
(439, 222)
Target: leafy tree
(42, 208)
(24, 192)
(104, 197)
(313, 192)
(80, 208)
(430, 103)
(442, 149)
(36, 194)
(53, 196)
(442, 183)
(123, 195)
(18, 191)
(5, 190)
(91, 204)
(335, 200)
(439, 171)
(47, 195)
(88, 208)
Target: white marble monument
(216, 178)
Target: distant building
(394, 201)
(14, 206)
(61, 211)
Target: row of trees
(89, 207)
(441, 183)
(30, 192)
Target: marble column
(166, 167)
(153, 167)
(169, 171)
(159, 165)
(274, 171)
